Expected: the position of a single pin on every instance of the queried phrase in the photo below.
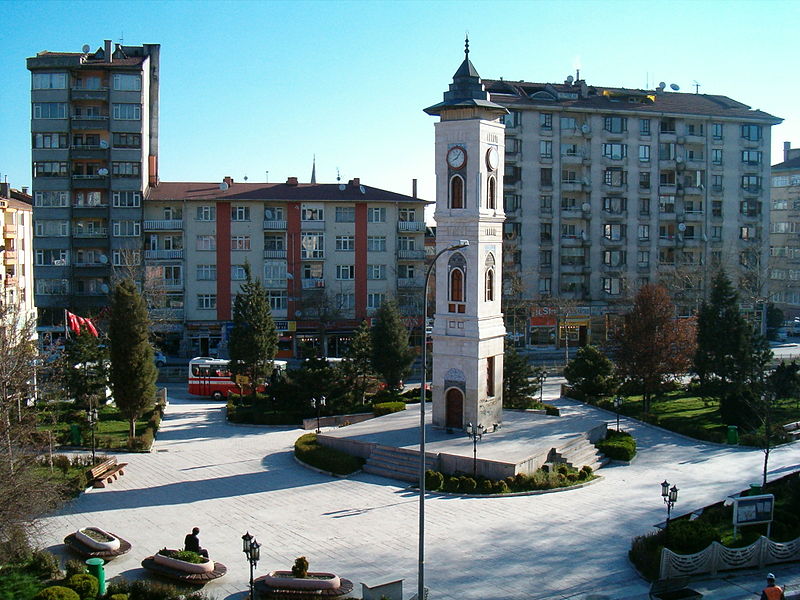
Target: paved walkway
(230, 479)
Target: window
(666, 231)
(567, 123)
(456, 192)
(643, 258)
(615, 124)
(615, 177)
(277, 299)
(206, 301)
(376, 243)
(751, 157)
(375, 300)
(126, 199)
(666, 178)
(666, 204)
(376, 214)
(615, 151)
(693, 206)
(457, 291)
(57, 258)
(545, 149)
(546, 120)
(644, 232)
(569, 149)
(206, 272)
(49, 110)
(748, 232)
(126, 169)
(346, 301)
(51, 199)
(490, 376)
(544, 285)
(126, 228)
(240, 242)
(615, 204)
(569, 203)
(128, 83)
(376, 271)
(695, 129)
(716, 156)
(312, 245)
(751, 132)
(206, 242)
(511, 119)
(47, 228)
(346, 214)
(489, 283)
(573, 257)
(491, 194)
(312, 213)
(49, 81)
(82, 199)
(238, 273)
(124, 258)
(312, 271)
(612, 285)
(406, 271)
(666, 151)
(345, 272)
(545, 203)
(273, 213)
(54, 287)
(88, 111)
(546, 176)
(644, 126)
(405, 242)
(50, 169)
(667, 125)
(127, 112)
(126, 140)
(751, 183)
(644, 206)
(207, 213)
(644, 180)
(644, 153)
(545, 258)
(614, 258)
(50, 140)
(345, 243)
(569, 231)
(750, 208)
(545, 232)
(240, 213)
(274, 242)
(568, 176)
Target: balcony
(275, 284)
(163, 254)
(81, 265)
(614, 188)
(275, 225)
(411, 254)
(312, 254)
(312, 225)
(751, 190)
(171, 284)
(571, 186)
(89, 122)
(85, 206)
(90, 178)
(166, 314)
(410, 226)
(97, 232)
(312, 283)
(10, 280)
(409, 282)
(10, 230)
(89, 151)
(82, 93)
(163, 224)
(274, 253)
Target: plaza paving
(230, 479)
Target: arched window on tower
(456, 192)
(456, 289)
(488, 294)
(491, 194)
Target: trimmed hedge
(84, 584)
(540, 480)
(309, 451)
(618, 445)
(387, 408)
(57, 592)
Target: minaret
(468, 332)
(314, 169)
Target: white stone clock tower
(468, 331)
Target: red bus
(210, 377)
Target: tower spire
(466, 47)
(314, 170)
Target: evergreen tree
(84, 369)
(519, 385)
(591, 373)
(391, 355)
(133, 371)
(357, 364)
(253, 340)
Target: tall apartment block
(606, 189)
(94, 129)
(328, 254)
(16, 220)
(784, 261)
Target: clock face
(492, 159)
(456, 157)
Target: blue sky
(254, 87)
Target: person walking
(192, 543)
(772, 591)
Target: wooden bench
(792, 430)
(106, 472)
(673, 589)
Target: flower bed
(167, 558)
(284, 580)
(96, 538)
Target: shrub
(118, 597)
(451, 485)
(386, 408)
(433, 480)
(572, 477)
(562, 469)
(485, 486)
(45, 564)
(467, 485)
(57, 592)
(586, 471)
(61, 462)
(591, 373)
(300, 567)
(688, 537)
(551, 410)
(309, 451)
(388, 396)
(85, 585)
(74, 567)
(501, 487)
(645, 553)
(618, 445)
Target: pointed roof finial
(466, 46)
(314, 170)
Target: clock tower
(468, 331)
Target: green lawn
(111, 431)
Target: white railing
(410, 226)
(311, 283)
(411, 254)
(162, 224)
(163, 254)
(275, 225)
(409, 282)
(274, 253)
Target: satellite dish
(102, 172)
(362, 189)
(586, 207)
(681, 226)
(223, 186)
(570, 79)
(103, 258)
(675, 87)
(662, 85)
(104, 288)
(342, 187)
(86, 48)
(103, 144)
(585, 128)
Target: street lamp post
(252, 550)
(670, 495)
(541, 377)
(423, 385)
(92, 416)
(318, 402)
(617, 404)
(475, 433)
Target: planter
(111, 545)
(181, 565)
(284, 580)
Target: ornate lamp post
(475, 433)
(318, 402)
(252, 550)
(92, 417)
(423, 385)
(541, 377)
(617, 405)
(670, 496)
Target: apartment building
(607, 189)
(328, 254)
(16, 217)
(94, 140)
(784, 260)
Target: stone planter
(111, 545)
(284, 580)
(181, 565)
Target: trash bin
(95, 566)
(755, 489)
(75, 435)
(733, 434)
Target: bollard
(95, 566)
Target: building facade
(784, 261)
(607, 189)
(17, 251)
(94, 139)
(328, 254)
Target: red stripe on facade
(223, 261)
(293, 263)
(361, 261)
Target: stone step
(397, 463)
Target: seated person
(192, 543)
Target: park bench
(105, 472)
(792, 430)
(673, 589)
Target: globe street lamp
(252, 550)
(476, 433)
(670, 496)
(422, 388)
(617, 405)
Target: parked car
(160, 359)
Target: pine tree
(519, 384)
(253, 341)
(357, 364)
(133, 371)
(84, 369)
(391, 355)
(591, 373)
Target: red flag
(90, 326)
(74, 326)
(77, 323)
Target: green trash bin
(755, 489)
(75, 435)
(733, 434)
(95, 566)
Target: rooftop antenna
(338, 177)
(245, 178)
(121, 38)
(267, 178)
(314, 170)
(466, 45)
(696, 87)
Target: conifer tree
(391, 355)
(133, 370)
(357, 364)
(84, 369)
(519, 385)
